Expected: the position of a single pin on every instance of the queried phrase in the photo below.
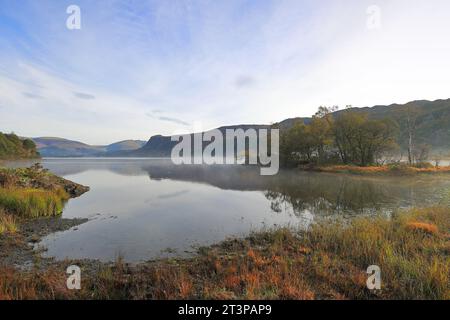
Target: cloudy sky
(139, 68)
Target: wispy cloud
(215, 62)
(85, 96)
(32, 95)
(155, 114)
(244, 81)
(174, 120)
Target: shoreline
(18, 249)
(31, 203)
(393, 170)
(384, 170)
(272, 264)
(412, 248)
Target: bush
(28, 144)
(401, 169)
(423, 165)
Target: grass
(7, 223)
(411, 249)
(34, 192)
(329, 261)
(32, 203)
(32, 177)
(29, 286)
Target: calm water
(148, 208)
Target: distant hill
(432, 128)
(432, 124)
(58, 147)
(125, 145)
(13, 147)
(161, 146)
(432, 120)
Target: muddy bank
(18, 250)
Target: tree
(351, 135)
(360, 140)
(28, 144)
(320, 130)
(346, 131)
(376, 137)
(422, 152)
(12, 147)
(411, 113)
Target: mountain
(13, 147)
(432, 120)
(58, 147)
(125, 145)
(432, 126)
(161, 146)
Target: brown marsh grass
(329, 261)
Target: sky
(137, 68)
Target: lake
(144, 209)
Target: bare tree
(411, 113)
(422, 152)
(437, 158)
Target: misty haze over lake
(143, 209)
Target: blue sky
(139, 68)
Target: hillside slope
(161, 146)
(13, 147)
(432, 120)
(58, 147)
(432, 126)
(125, 145)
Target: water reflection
(141, 207)
(317, 192)
(295, 191)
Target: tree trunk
(410, 151)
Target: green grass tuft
(33, 203)
(7, 223)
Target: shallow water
(143, 209)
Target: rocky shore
(20, 191)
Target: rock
(35, 238)
(73, 189)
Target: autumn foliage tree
(349, 137)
